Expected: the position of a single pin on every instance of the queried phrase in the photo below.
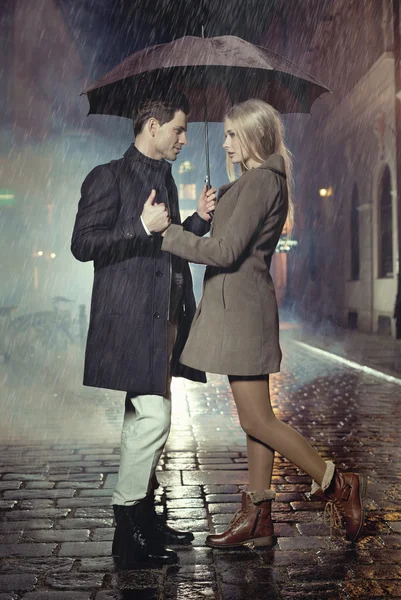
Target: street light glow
(185, 166)
(40, 253)
(325, 192)
(53, 255)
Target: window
(385, 225)
(355, 258)
(187, 191)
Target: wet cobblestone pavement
(56, 521)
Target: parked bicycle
(31, 335)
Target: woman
(235, 330)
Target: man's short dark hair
(161, 108)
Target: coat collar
(223, 189)
(134, 155)
(274, 163)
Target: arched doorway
(385, 226)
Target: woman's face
(231, 145)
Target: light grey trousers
(146, 427)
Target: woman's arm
(259, 195)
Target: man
(142, 308)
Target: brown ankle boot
(252, 524)
(344, 494)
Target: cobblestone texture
(56, 522)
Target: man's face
(172, 136)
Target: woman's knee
(255, 427)
(249, 425)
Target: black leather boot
(134, 543)
(162, 532)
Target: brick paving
(380, 352)
(56, 522)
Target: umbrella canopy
(221, 71)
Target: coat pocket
(223, 297)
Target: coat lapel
(224, 188)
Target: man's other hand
(206, 203)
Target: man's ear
(153, 125)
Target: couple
(144, 328)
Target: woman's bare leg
(258, 421)
(260, 464)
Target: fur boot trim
(328, 476)
(261, 495)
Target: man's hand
(206, 203)
(155, 216)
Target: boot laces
(238, 517)
(332, 515)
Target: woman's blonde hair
(259, 130)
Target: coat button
(156, 316)
(159, 273)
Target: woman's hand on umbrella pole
(206, 203)
(155, 216)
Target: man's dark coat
(127, 338)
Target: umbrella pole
(207, 178)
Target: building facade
(346, 265)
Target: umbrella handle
(208, 186)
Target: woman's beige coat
(235, 330)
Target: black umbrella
(212, 72)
